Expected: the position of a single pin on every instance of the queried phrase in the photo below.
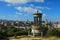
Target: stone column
(35, 21)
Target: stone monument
(36, 28)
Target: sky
(24, 9)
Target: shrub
(53, 32)
(45, 29)
(3, 35)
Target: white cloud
(40, 7)
(39, 0)
(8, 4)
(16, 1)
(18, 13)
(25, 15)
(27, 9)
(15, 16)
(10, 15)
(31, 5)
(47, 8)
(21, 1)
(44, 15)
(1, 0)
(2, 17)
(19, 8)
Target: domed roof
(37, 13)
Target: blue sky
(24, 9)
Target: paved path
(52, 38)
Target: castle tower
(37, 24)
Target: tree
(11, 31)
(3, 35)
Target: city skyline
(24, 9)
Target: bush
(3, 35)
(12, 31)
(45, 29)
(53, 32)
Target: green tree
(11, 31)
(3, 35)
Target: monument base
(36, 32)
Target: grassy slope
(34, 38)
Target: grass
(24, 37)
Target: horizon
(23, 10)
